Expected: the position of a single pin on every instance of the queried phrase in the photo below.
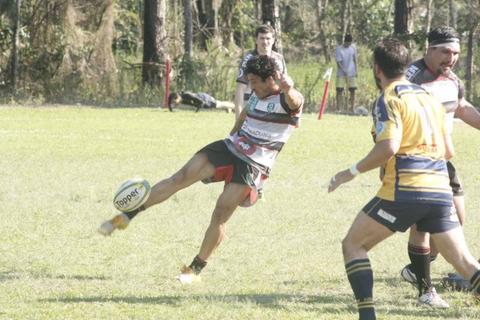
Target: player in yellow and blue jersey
(411, 142)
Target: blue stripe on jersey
(408, 88)
(381, 113)
(430, 197)
(273, 145)
(427, 189)
(420, 163)
(273, 117)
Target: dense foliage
(78, 51)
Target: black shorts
(230, 168)
(399, 216)
(455, 183)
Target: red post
(167, 81)
(323, 103)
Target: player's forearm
(293, 98)
(378, 156)
(468, 113)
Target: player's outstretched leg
(453, 248)
(228, 201)
(197, 168)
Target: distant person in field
(434, 73)
(243, 160)
(199, 100)
(264, 41)
(346, 57)
(411, 142)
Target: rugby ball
(131, 194)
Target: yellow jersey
(405, 112)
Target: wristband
(354, 171)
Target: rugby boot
(408, 275)
(432, 299)
(456, 282)
(187, 276)
(120, 221)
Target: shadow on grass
(331, 304)
(9, 275)
(324, 303)
(15, 275)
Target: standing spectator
(264, 41)
(346, 57)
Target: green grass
(281, 260)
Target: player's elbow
(390, 149)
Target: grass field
(282, 258)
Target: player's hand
(284, 81)
(339, 179)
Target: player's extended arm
(239, 121)
(468, 113)
(379, 155)
(238, 101)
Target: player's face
(261, 88)
(264, 42)
(442, 59)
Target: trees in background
(94, 51)
(154, 42)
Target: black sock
(475, 281)
(360, 276)
(133, 213)
(197, 265)
(420, 258)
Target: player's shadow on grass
(322, 303)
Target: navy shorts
(230, 168)
(455, 183)
(399, 216)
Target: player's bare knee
(348, 247)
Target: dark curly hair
(262, 66)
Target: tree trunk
(428, 19)
(452, 14)
(188, 41)
(15, 46)
(208, 20)
(257, 4)
(226, 11)
(321, 8)
(154, 38)
(473, 20)
(403, 17)
(343, 21)
(270, 16)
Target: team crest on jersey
(252, 102)
(270, 107)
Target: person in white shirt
(346, 58)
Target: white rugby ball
(131, 194)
